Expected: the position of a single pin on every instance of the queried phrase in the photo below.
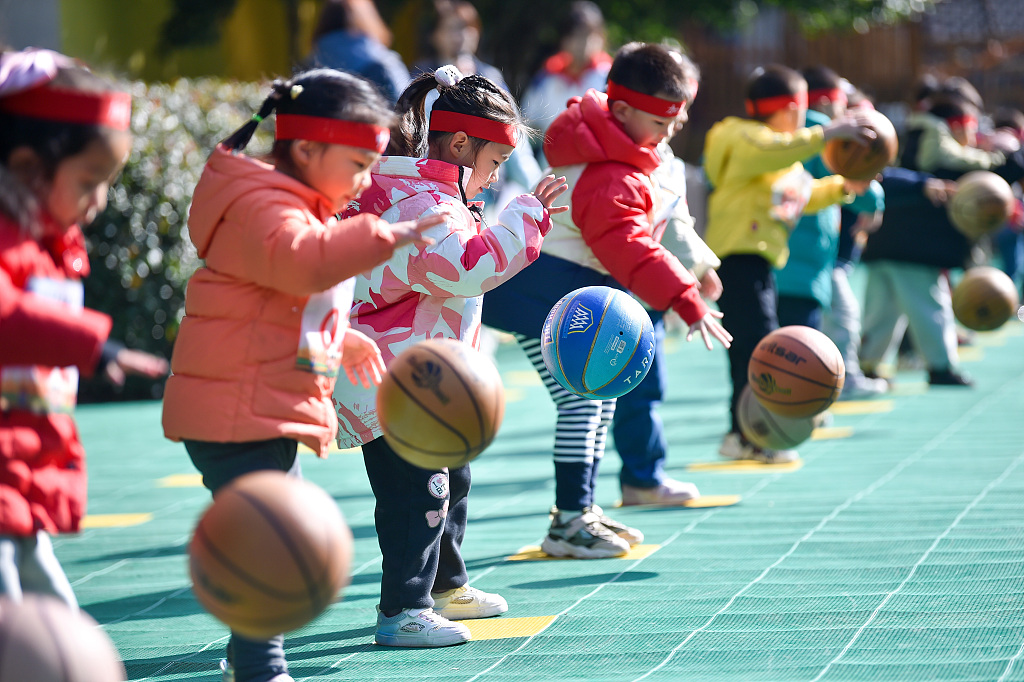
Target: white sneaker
(669, 492)
(419, 628)
(582, 537)
(858, 387)
(467, 602)
(734, 446)
(630, 535)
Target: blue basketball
(598, 342)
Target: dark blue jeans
(637, 427)
(800, 310)
(220, 463)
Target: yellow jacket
(759, 187)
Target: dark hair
(474, 95)
(653, 69)
(821, 78)
(951, 106)
(957, 86)
(1008, 117)
(924, 88)
(774, 80)
(583, 15)
(334, 16)
(327, 93)
(52, 142)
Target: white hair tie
(29, 68)
(448, 75)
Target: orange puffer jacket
(269, 242)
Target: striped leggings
(580, 434)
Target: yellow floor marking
(831, 432)
(534, 553)
(506, 628)
(521, 377)
(861, 406)
(743, 466)
(114, 520)
(702, 502)
(971, 353)
(909, 388)
(514, 395)
(181, 481)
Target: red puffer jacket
(42, 462)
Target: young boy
(759, 191)
(606, 146)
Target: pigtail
(239, 139)
(409, 135)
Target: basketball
(270, 554)
(598, 342)
(984, 298)
(858, 161)
(44, 640)
(769, 430)
(796, 371)
(982, 204)
(440, 404)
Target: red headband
(110, 109)
(964, 121)
(766, 106)
(831, 94)
(332, 131)
(655, 106)
(474, 126)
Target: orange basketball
(985, 298)
(270, 554)
(440, 403)
(43, 640)
(858, 161)
(796, 371)
(769, 430)
(982, 204)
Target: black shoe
(948, 377)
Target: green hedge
(139, 249)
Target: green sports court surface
(893, 551)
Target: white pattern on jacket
(435, 291)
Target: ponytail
(239, 139)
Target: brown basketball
(270, 554)
(982, 204)
(440, 403)
(769, 430)
(858, 161)
(985, 298)
(796, 371)
(43, 640)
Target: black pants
(748, 304)
(220, 463)
(420, 516)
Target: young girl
(264, 330)
(448, 155)
(63, 138)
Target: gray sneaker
(581, 537)
(735, 446)
(631, 535)
(227, 673)
(419, 628)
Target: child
(64, 136)
(449, 154)
(607, 145)
(253, 368)
(759, 191)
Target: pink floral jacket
(435, 291)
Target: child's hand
(411, 231)
(128, 361)
(711, 285)
(361, 359)
(939, 191)
(709, 325)
(548, 189)
(850, 128)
